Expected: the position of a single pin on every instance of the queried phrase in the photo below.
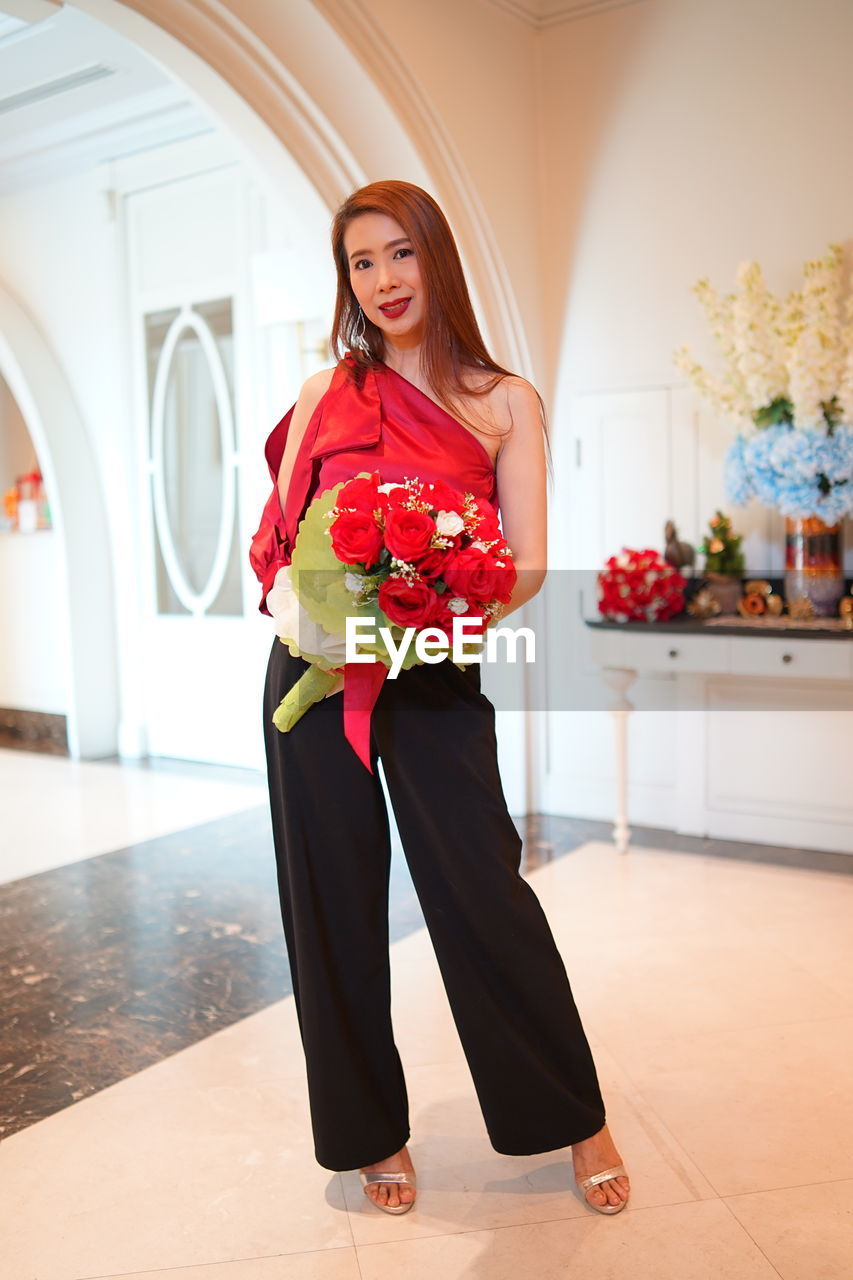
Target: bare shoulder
(515, 409)
(521, 398)
(315, 387)
(502, 394)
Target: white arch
(67, 462)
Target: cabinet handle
(673, 653)
(787, 657)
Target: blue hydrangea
(736, 477)
(781, 467)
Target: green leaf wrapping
(311, 687)
(318, 580)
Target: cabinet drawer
(792, 659)
(670, 652)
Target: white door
(201, 648)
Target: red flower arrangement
(425, 552)
(413, 554)
(640, 586)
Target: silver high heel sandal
(585, 1184)
(380, 1175)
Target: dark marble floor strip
(33, 731)
(566, 834)
(113, 963)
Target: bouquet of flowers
(401, 559)
(787, 386)
(639, 586)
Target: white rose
(458, 604)
(449, 523)
(293, 623)
(353, 582)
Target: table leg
(620, 680)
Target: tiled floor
(57, 810)
(717, 1000)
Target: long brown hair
(452, 340)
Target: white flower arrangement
(787, 385)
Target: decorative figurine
(679, 554)
(759, 599)
(845, 611)
(703, 604)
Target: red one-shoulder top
(388, 425)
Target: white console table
(691, 650)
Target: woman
(417, 394)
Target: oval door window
(192, 457)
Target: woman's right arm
(313, 390)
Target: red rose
(488, 530)
(361, 494)
(442, 497)
(506, 577)
(356, 538)
(396, 498)
(408, 533)
(443, 615)
(476, 573)
(408, 605)
(431, 564)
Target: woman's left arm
(523, 491)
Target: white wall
(34, 652)
(681, 138)
(716, 133)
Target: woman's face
(385, 277)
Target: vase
(814, 563)
(725, 588)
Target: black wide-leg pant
(506, 983)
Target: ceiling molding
(77, 96)
(541, 14)
(32, 10)
(137, 124)
(51, 88)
